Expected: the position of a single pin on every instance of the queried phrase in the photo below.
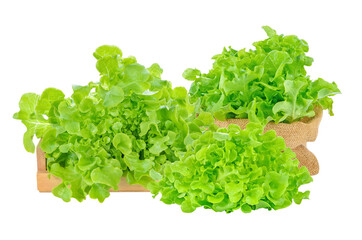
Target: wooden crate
(46, 184)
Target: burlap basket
(296, 136)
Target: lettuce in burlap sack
(295, 134)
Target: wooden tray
(46, 184)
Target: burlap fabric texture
(296, 136)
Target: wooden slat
(46, 184)
(40, 157)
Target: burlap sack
(296, 136)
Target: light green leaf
(321, 89)
(123, 143)
(179, 93)
(48, 97)
(300, 196)
(34, 127)
(253, 196)
(155, 175)
(155, 70)
(107, 65)
(63, 192)
(269, 31)
(27, 105)
(205, 119)
(87, 162)
(49, 142)
(187, 207)
(68, 174)
(191, 74)
(294, 106)
(216, 198)
(107, 51)
(135, 164)
(72, 127)
(99, 191)
(108, 175)
(113, 97)
(28, 141)
(136, 73)
(275, 61)
(64, 148)
(76, 188)
(86, 105)
(158, 145)
(80, 93)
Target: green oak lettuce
(272, 77)
(128, 124)
(133, 124)
(227, 170)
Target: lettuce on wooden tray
(128, 124)
(272, 76)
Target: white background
(48, 44)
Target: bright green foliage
(128, 124)
(133, 124)
(272, 77)
(232, 169)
